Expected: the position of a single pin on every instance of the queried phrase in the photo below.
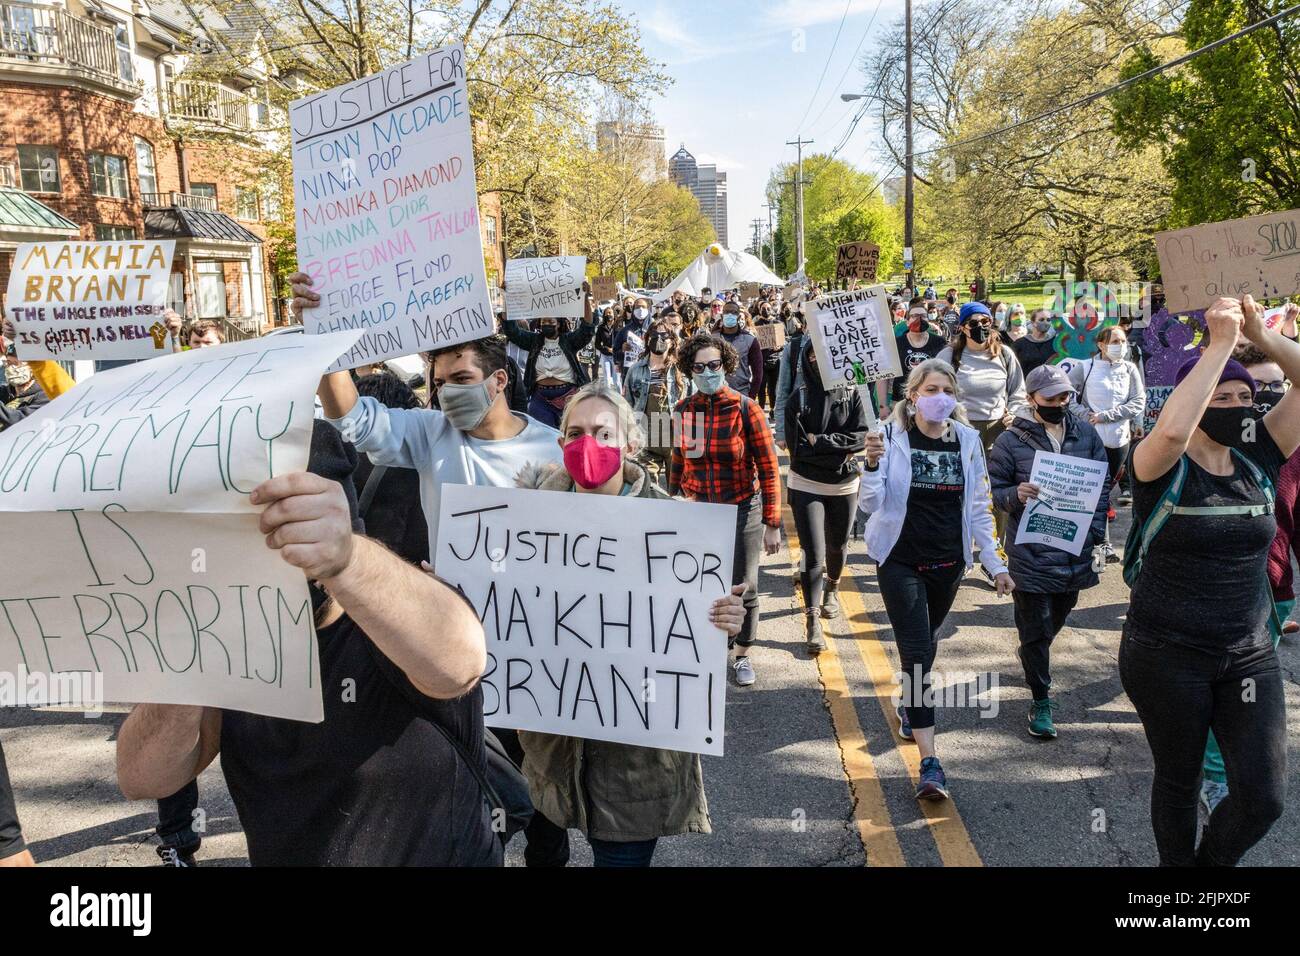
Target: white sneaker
(744, 671)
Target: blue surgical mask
(729, 321)
(708, 382)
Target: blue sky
(745, 75)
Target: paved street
(813, 775)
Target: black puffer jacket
(838, 420)
(1037, 568)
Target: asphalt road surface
(814, 774)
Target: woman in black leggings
(1196, 653)
(824, 430)
(926, 488)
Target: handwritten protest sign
(604, 288)
(90, 300)
(749, 290)
(545, 287)
(1069, 489)
(147, 566)
(1157, 395)
(770, 336)
(857, 260)
(1253, 256)
(853, 335)
(597, 617)
(387, 210)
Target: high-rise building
(641, 144)
(707, 184)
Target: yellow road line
(870, 812)
(942, 817)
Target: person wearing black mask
(1048, 579)
(1197, 629)
(771, 362)
(553, 372)
(629, 341)
(653, 387)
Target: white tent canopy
(719, 268)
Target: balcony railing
(202, 101)
(172, 200)
(51, 39)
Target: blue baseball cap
(972, 308)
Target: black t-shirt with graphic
(1204, 580)
(373, 784)
(911, 357)
(932, 529)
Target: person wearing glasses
(918, 344)
(724, 454)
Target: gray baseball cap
(1048, 381)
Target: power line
(1123, 84)
(848, 4)
(852, 60)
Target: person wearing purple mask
(926, 488)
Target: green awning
(23, 219)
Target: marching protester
(608, 327)
(747, 376)
(927, 491)
(622, 797)
(628, 340)
(1048, 579)
(654, 386)
(825, 430)
(553, 372)
(1038, 345)
(1204, 488)
(1271, 385)
(1016, 323)
(1111, 395)
(915, 346)
(389, 498)
(375, 783)
(771, 362)
(725, 455)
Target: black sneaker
(816, 641)
(172, 856)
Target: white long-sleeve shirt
(1115, 391)
(423, 439)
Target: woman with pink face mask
(622, 797)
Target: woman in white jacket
(1112, 397)
(926, 487)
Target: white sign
(90, 300)
(853, 335)
(1061, 515)
(551, 287)
(637, 349)
(596, 611)
(142, 560)
(387, 210)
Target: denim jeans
(1180, 693)
(607, 853)
(176, 818)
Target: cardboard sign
(596, 617)
(749, 290)
(547, 287)
(147, 571)
(604, 288)
(1157, 395)
(387, 210)
(90, 300)
(1258, 256)
(1061, 515)
(770, 336)
(857, 260)
(853, 335)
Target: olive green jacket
(616, 792)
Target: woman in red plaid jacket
(724, 453)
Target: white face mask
(641, 313)
(1116, 351)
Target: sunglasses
(713, 366)
(984, 322)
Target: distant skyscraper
(707, 185)
(641, 144)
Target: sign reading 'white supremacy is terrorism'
(549, 287)
(853, 336)
(387, 209)
(90, 300)
(147, 565)
(596, 610)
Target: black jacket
(531, 342)
(15, 407)
(1037, 568)
(837, 418)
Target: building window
(146, 172)
(40, 168)
(122, 39)
(108, 175)
(211, 292)
(260, 109)
(106, 232)
(245, 203)
(492, 230)
(271, 201)
(208, 190)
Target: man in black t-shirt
(1038, 345)
(375, 783)
(915, 345)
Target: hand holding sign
(308, 520)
